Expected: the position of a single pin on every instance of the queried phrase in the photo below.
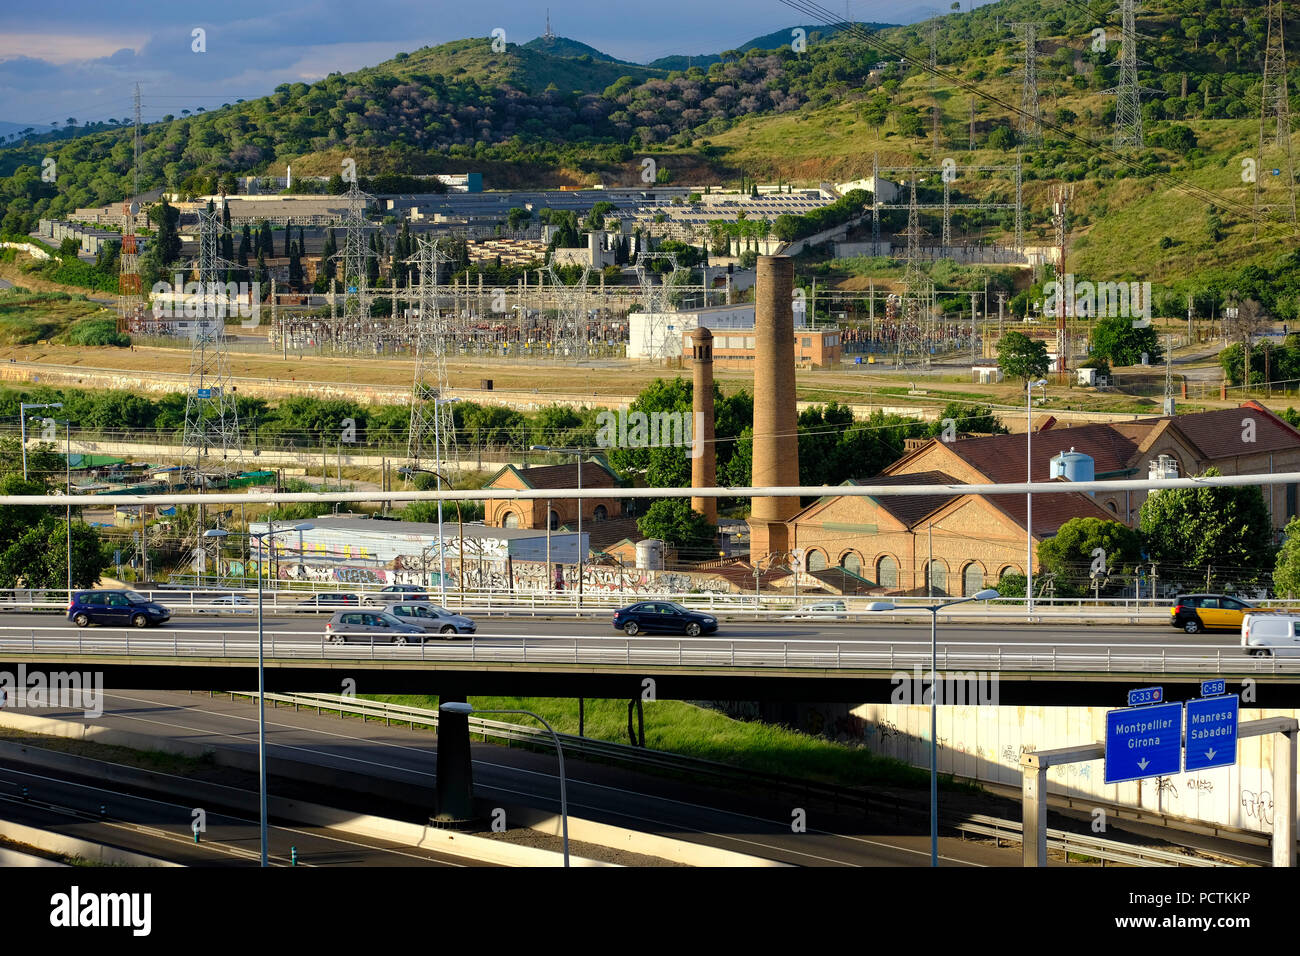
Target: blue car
(115, 608)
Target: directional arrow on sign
(1209, 754)
(1143, 763)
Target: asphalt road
(1036, 646)
(619, 797)
(70, 804)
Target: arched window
(600, 513)
(887, 572)
(972, 579)
(1113, 509)
(816, 560)
(510, 520)
(555, 520)
(852, 562)
(937, 578)
(1008, 569)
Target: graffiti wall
(985, 743)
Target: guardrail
(810, 654)
(593, 604)
(850, 798)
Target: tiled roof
(594, 475)
(910, 509)
(1218, 434)
(1050, 511)
(1002, 457)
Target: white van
(1268, 635)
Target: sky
(81, 58)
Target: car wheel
(336, 638)
(399, 639)
(1261, 653)
(447, 629)
(692, 629)
(81, 620)
(1192, 626)
(631, 628)
(139, 620)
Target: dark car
(120, 608)
(327, 602)
(659, 616)
(395, 593)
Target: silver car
(825, 611)
(371, 627)
(431, 617)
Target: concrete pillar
(704, 458)
(1033, 776)
(1284, 798)
(776, 445)
(455, 775)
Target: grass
(683, 728)
(27, 318)
(155, 760)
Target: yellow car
(1194, 613)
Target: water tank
(1164, 466)
(650, 555)
(1073, 466)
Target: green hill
(565, 47)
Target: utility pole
(1060, 218)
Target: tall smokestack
(776, 445)
(704, 460)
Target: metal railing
(841, 797)
(661, 652)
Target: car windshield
(136, 598)
(389, 620)
(678, 608)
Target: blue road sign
(1146, 695)
(1143, 742)
(1213, 688)
(1211, 732)
(203, 393)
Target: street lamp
(437, 453)
(988, 594)
(261, 683)
(67, 478)
(22, 415)
(1029, 495)
(580, 452)
(457, 707)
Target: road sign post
(1143, 742)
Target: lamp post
(1029, 495)
(988, 594)
(580, 452)
(261, 683)
(437, 453)
(67, 479)
(456, 707)
(22, 417)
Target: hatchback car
(1194, 613)
(431, 617)
(226, 603)
(371, 627)
(323, 601)
(395, 593)
(120, 608)
(651, 616)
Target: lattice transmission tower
(355, 324)
(657, 299)
(570, 335)
(1128, 93)
(1275, 106)
(211, 449)
(1031, 111)
(432, 427)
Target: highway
(607, 794)
(997, 646)
(70, 804)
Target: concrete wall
(985, 743)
